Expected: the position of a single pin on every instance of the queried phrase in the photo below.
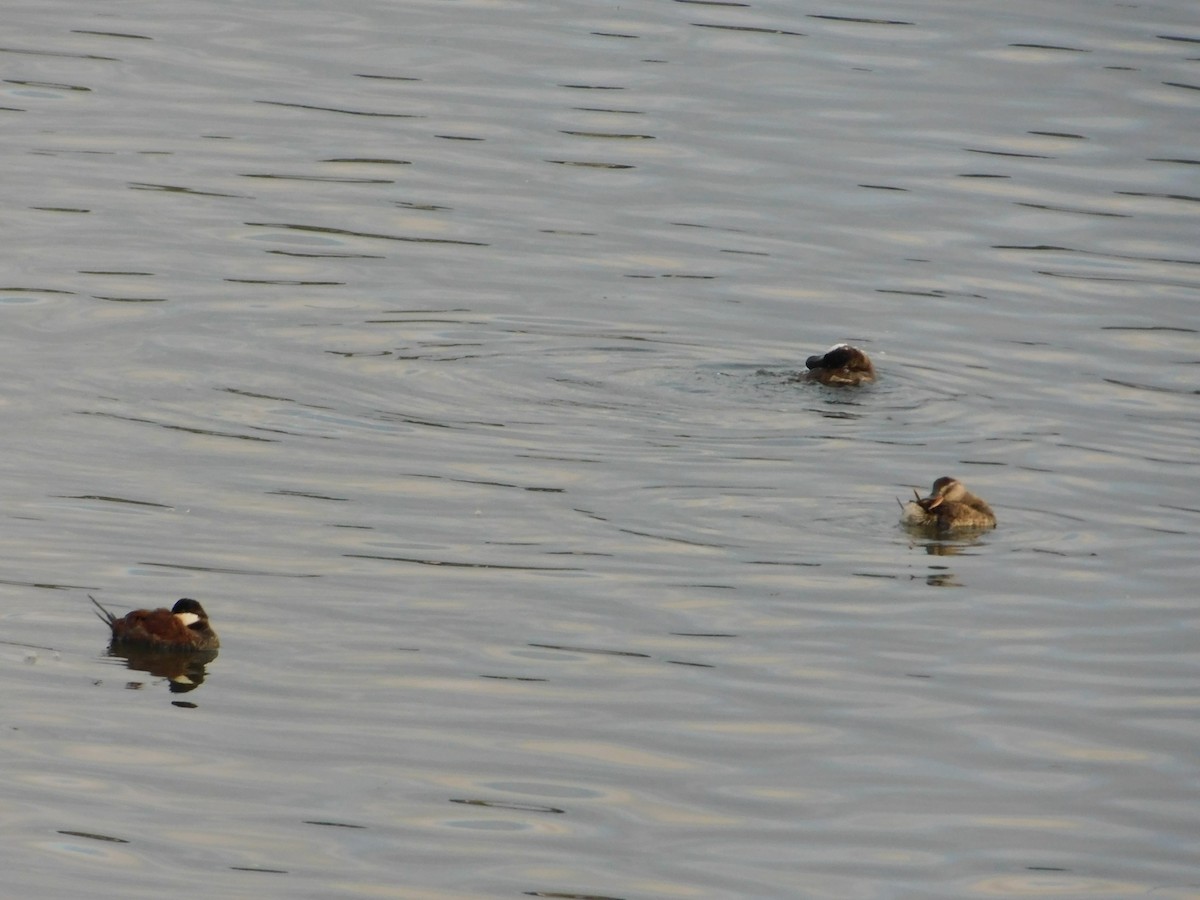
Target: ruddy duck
(840, 364)
(183, 627)
(949, 506)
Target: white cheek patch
(187, 618)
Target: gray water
(444, 352)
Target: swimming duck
(183, 627)
(841, 364)
(948, 506)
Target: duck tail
(104, 615)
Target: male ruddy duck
(949, 506)
(840, 364)
(183, 627)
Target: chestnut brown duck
(183, 628)
(949, 506)
(841, 364)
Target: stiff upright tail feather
(105, 616)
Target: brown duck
(949, 506)
(841, 364)
(184, 627)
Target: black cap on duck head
(840, 365)
(838, 357)
(841, 356)
(191, 614)
(188, 605)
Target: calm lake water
(444, 352)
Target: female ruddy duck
(948, 506)
(840, 364)
(183, 627)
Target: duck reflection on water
(184, 671)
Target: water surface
(445, 353)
